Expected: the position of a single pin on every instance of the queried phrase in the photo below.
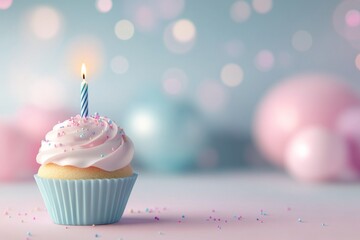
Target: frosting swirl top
(87, 142)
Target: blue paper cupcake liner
(86, 202)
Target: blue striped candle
(84, 94)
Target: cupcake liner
(85, 202)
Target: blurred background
(198, 85)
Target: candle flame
(83, 71)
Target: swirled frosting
(87, 142)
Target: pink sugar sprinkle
(34, 218)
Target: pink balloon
(316, 154)
(298, 102)
(14, 148)
(348, 126)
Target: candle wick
(83, 76)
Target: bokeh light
(262, 6)
(232, 74)
(169, 9)
(264, 60)
(240, 11)
(174, 81)
(5, 4)
(145, 18)
(184, 30)
(173, 44)
(119, 65)
(301, 41)
(85, 49)
(352, 18)
(124, 29)
(143, 124)
(45, 22)
(357, 61)
(346, 21)
(211, 97)
(103, 6)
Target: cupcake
(85, 176)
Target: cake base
(55, 171)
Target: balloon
(348, 127)
(14, 149)
(296, 103)
(316, 154)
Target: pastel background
(185, 79)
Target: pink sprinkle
(179, 221)
(262, 221)
(225, 221)
(66, 227)
(34, 218)
(6, 213)
(156, 218)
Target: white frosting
(84, 142)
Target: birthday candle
(84, 93)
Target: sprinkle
(300, 220)
(183, 216)
(34, 218)
(22, 221)
(179, 221)
(110, 121)
(29, 234)
(112, 149)
(66, 227)
(257, 219)
(102, 155)
(93, 225)
(131, 211)
(157, 218)
(323, 224)
(160, 233)
(6, 213)
(213, 210)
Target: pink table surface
(245, 205)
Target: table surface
(236, 205)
